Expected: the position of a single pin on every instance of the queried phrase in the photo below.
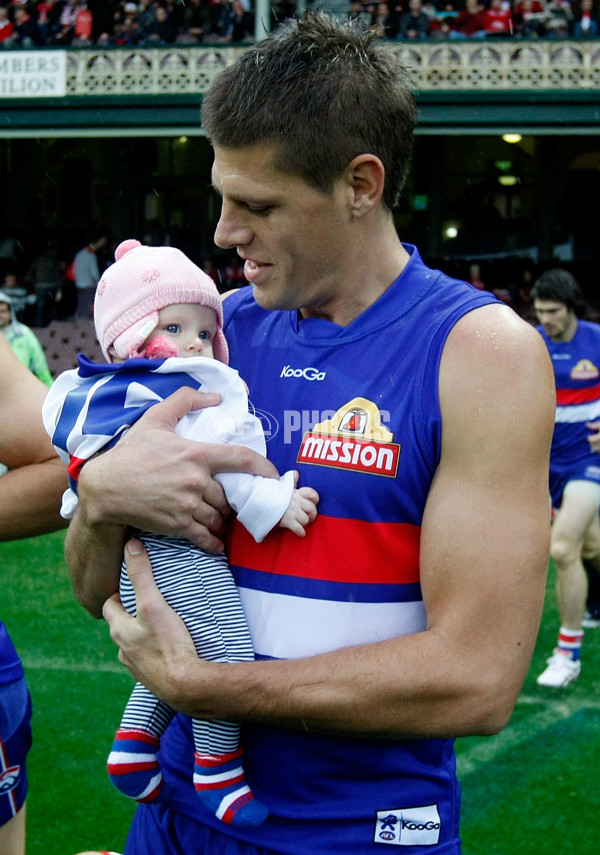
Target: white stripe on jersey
(287, 627)
(574, 413)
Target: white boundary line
(55, 663)
(554, 710)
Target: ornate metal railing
(435, 66)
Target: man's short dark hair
(323, 92)
(560, 286)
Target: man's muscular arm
(30, 494)
(484, 555)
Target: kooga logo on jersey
(308, 373)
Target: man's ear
(365, 176)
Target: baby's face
(189, 327)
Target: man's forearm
(373, 690)
(94, 555)
(40, 486)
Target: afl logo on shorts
(9, 779)
(415, 826)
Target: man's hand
(155, 480)
(156, 645)
(594, 437)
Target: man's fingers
(112, 608)
(179, 404)
(140, 575)
(238, 458)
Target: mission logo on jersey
(354, 439)
(584, 370)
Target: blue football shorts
(15, 742)
(588, 471)
(159, 830)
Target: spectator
(475, 277)
(193, 21)
(20, 298)
(238, 24)
(470, 22)
(559, 19)
(48, 18)
(497, 19)
(24, 342)
(26, 33)
(442, 25)
(529, 18)
(414, 24)
(68, 20)
(6, 25)
(126, 27)
(87, 274)
(84, 25)
(44, 273)
(161, 31)
(381, 21)
(11, 252)
(586, 20)
(359, 14)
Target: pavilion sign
(33, 74)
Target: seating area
(64, 340)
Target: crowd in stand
(55, 23)
(27, 23)
(480, 19)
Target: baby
(159, 321)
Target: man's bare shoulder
(495, 333)
(495, 362)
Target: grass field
(532, 790)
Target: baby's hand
(302, 510)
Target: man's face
(4, 315)
(292, 238)
(559, 322)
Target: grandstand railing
(511, 64)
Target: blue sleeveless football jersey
(355, 409)
(576, 366)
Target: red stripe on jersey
(577, 396)
(334, 550)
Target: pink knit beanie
(143, 280)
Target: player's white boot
(561, 671)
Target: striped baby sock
(221, 785)
(133, 765)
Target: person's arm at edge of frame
(31, 491)
(484, 557)
(156, 481)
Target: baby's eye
(204, 334)
(173, 328)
